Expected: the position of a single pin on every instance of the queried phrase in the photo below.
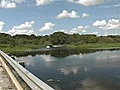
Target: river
(75, 69)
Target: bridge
(22, 78)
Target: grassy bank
(9, 48)
(95, 46)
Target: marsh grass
(95, 46)
(9, 48)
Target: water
(76, 69)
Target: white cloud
(70, 0)
(7, 4)
(47, 26)
(66, 14)
(10, 3)
(43, 2)
(87, 2)
(84, 15)
(107, 25)
(79, 29)
(26, 28)
(96, 33)
(112, 6)
(18, 1)
(69, 70)
(63, 30)
(98, 23)
(47, 58)
(1, 26)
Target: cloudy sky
(43, 17)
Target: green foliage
(28, 42)
(59, 38)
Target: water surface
(76, 69)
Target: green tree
(59, 38)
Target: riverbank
(96, 46)
(25, 48)
(18, 48)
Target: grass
(96, 46)
(10, 49)
(23, 48)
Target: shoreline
(95, 46)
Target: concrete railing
(32, 81)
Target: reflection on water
(69, 70)
(98, 70)
(62, 52)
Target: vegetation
(29, 42)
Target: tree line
(55, 38)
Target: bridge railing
(32, 81)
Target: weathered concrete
(5, 82)
(29, 81)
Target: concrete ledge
(31, 80)
(12, 77)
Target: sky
(44, 17)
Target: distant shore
(103, 46)
(96, 46)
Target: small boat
(54, 46)
(49, 46)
